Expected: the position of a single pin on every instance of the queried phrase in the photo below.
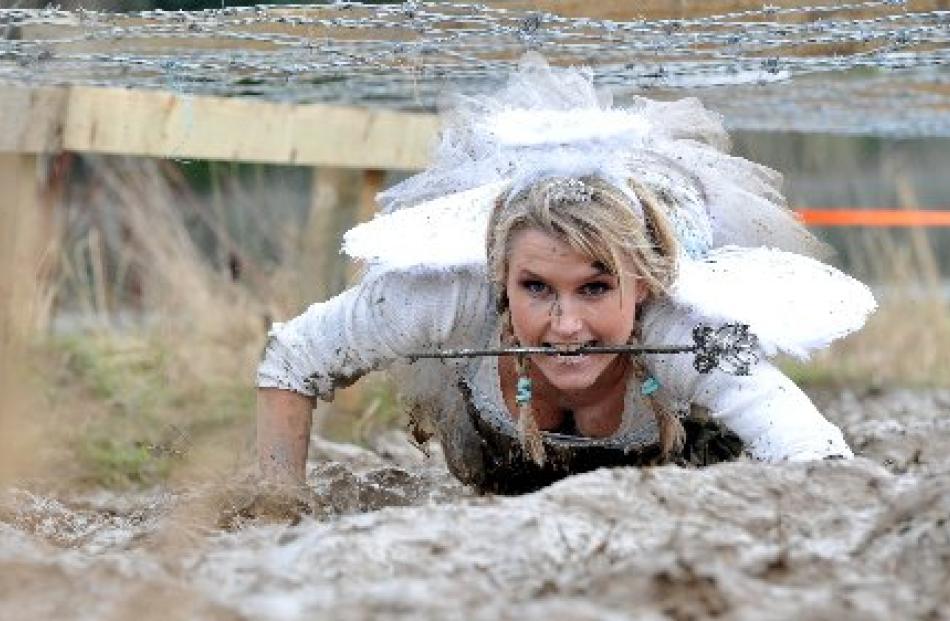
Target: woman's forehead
(534, 249)
(533, 240)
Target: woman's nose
(566, 319)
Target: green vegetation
(140, 417)
(127, 409)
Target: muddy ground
(391, 535)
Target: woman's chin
(571, 374)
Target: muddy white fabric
(793, 303)
(375, 324)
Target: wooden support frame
(172, 125)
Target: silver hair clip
(570, 192)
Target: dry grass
(907, 341)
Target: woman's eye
(594, 289)
(535, 287)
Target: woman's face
(559, 296)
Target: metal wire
(862, 67)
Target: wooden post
(333, 199)
(26, 236)
(372, 184)
(373, 181)
(23, 306)
(341, 199)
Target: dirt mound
(387, 533)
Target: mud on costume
(744, 259)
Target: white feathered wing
(793, 303)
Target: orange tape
(873, 217)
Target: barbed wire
(862, 67)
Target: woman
(604, 227)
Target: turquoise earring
(523, 387)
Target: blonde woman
(550, 219)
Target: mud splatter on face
(557, 310)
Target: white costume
(427, 287)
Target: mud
(389, 534)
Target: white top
(375, 324)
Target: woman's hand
(284, 419)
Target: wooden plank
(162, 124)
(171, 125)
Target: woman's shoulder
(457, 286)
(451, 300)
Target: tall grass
(156, 340)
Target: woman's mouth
(569, 358)
(569, 348)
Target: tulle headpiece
(745, 256)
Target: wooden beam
(171, 125)
(335, 194)
(25, 231)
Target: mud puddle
(388, 534)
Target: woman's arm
(775, 419)
(284, 419)
(334, 343)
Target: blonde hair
(601, 221)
